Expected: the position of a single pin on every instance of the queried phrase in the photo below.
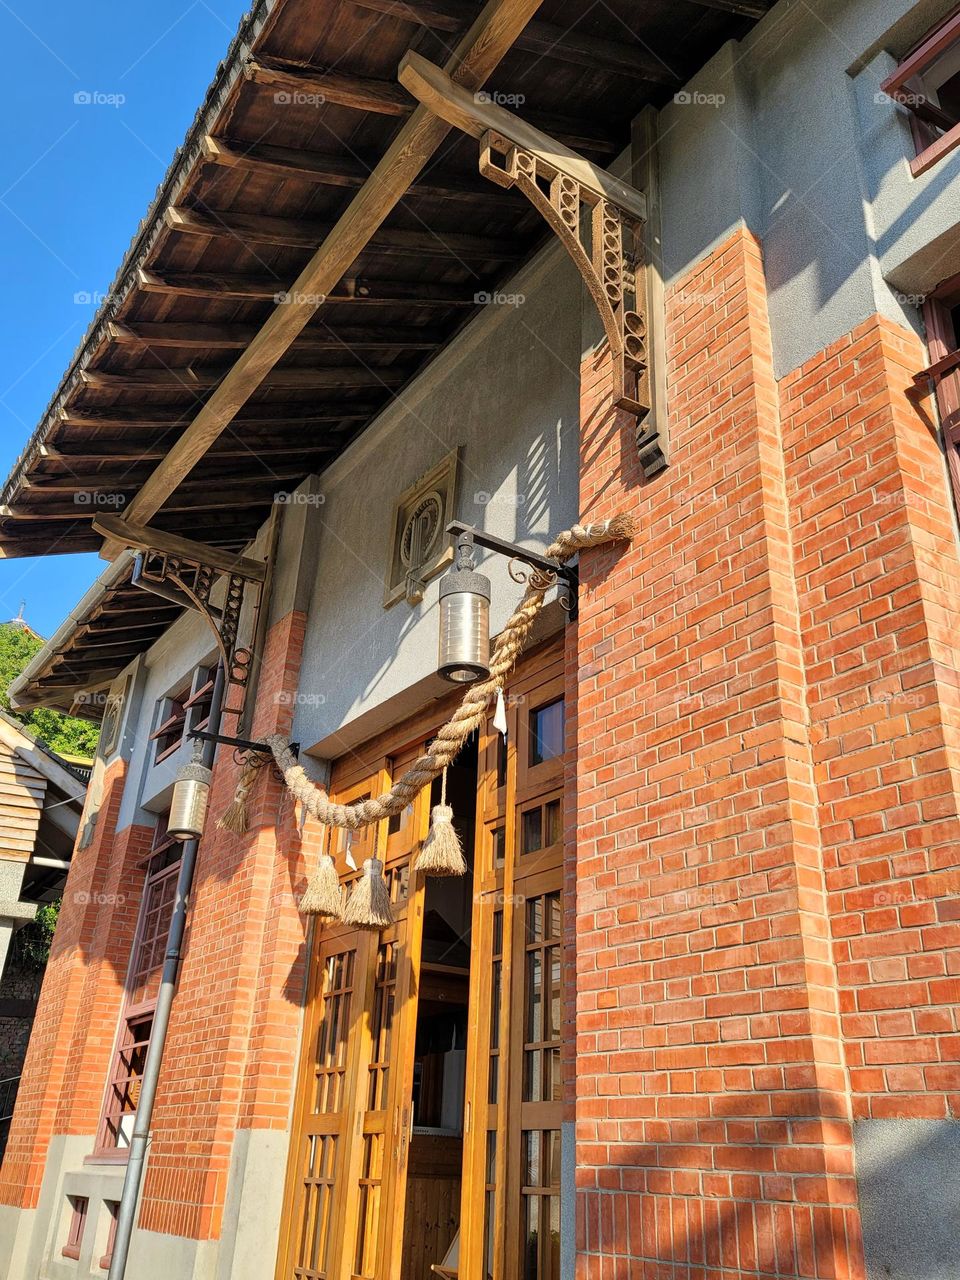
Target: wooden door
(347, 1167)
(510, 1211)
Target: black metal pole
(140, 1138)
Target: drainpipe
(140, 1138)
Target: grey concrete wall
(787, 133)
(507, 394)
(908, 1174)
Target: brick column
(713, 1115)
(73, 1034)
(879, 585)
(233, 1032)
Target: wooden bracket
(184, 572)
(607, 246)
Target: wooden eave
(265, 168)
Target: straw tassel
(234, 817)
(323, 895)
(369, 904)
(442, 853)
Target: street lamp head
(464, 618)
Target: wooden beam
(293, 416)
(745, 8)
(354, 290)
(203, 378)
(131, 477)
(220, 493)
(227, 336)
(476, 56)
(545, 39)
(285, 163)
(434, 89)
(314, 86)
(382, 96)
(303, 233)
(143, 537)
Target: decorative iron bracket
(189, 583)
(540, 571)
(609, 265)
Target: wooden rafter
(304, 233)
(226, 336)
(354, 290)
(362, 93)
(545, 39)
(746, 8)
(477, 55)
(203, 378)
(330, 170)
(384, 97)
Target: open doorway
(434, 1173)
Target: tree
(63, 734)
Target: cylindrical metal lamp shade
(188, 807)
(464, 626)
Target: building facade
(692, 1013)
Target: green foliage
(31, 944)
(63, 734)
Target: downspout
(140, 1138)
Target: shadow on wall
(908, 1187)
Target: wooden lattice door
(510, 1211)
(348, 1153)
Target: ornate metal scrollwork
(609, 267)
(176, 577)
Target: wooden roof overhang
(303, 107)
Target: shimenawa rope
(469, 715)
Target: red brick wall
(232, 1043)
(745, 800)
(877, 576)
(73, 1034)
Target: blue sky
(75, 179)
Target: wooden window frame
(162, 869)
(943, 343)
(79, 1208)
(113, 1209)
(182, 713)
(931, 47)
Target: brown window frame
(162, 869)
(931, 149)
(943, 342)
(113, 1208)
(183, 713)
(79, 1208)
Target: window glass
(546, 732)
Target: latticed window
(146, 963)
(942, 318)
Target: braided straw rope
(469, 716)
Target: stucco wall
(787, 132)
(506, 394)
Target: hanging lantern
(188, 806)
(464, 618)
